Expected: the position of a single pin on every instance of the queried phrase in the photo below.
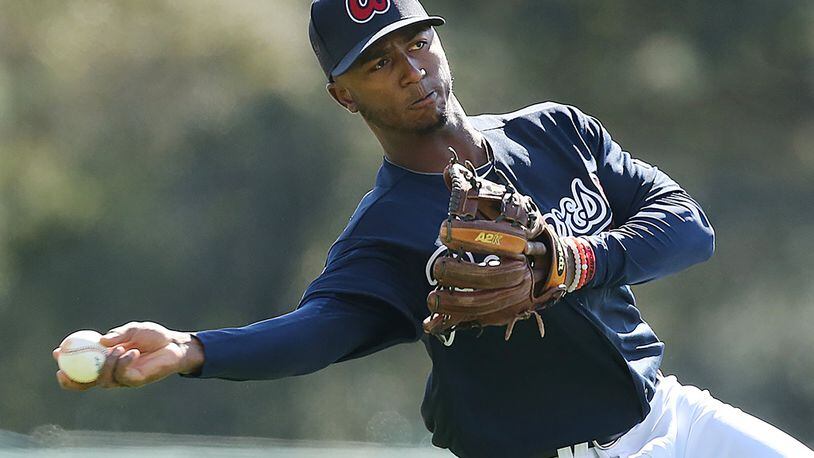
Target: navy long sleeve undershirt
(322, 331)
(666, 236)
(660, 229)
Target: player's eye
(419, 44)
(380, 64)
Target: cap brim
(357, 50)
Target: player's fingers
(106, 379)
(124, 374)
(67, 384)
(120, 334)
(55, 354)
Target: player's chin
(435, 121)
(429, 120)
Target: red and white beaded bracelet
(590, 257)
(582, 254)
(577, 264)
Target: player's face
(401, 83)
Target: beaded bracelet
(584, 257)
(589, 251)
(577, 265)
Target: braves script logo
(362, 11)
(585, 213)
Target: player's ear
(342, 96)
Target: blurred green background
(180, 161)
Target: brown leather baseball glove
(528, 268)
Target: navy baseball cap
(341, 30)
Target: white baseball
(81, 356)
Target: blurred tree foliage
(180, 161)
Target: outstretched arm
(322, 331)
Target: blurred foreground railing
(53, 441)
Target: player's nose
(412, 71)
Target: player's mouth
(425, 101)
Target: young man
(591, 386)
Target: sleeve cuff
(197, 374)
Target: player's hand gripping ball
(525, 268)
(81, 356)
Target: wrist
(582, 260)
(192, 353)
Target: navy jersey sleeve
(658, 228)
(378, 270)
(322, 331)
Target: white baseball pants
(685, 422)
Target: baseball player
(506, 244)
